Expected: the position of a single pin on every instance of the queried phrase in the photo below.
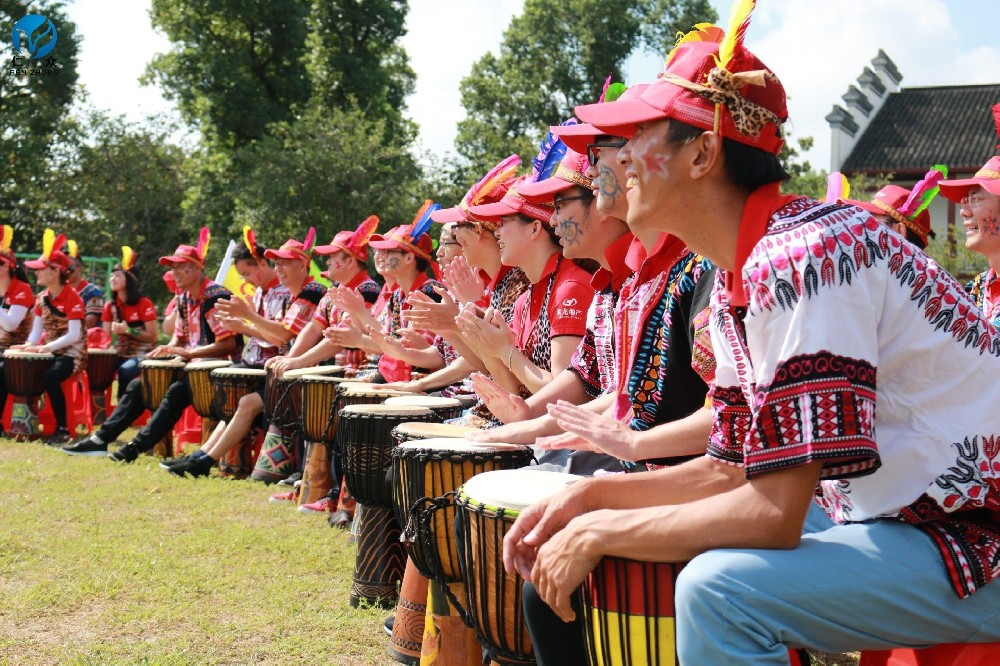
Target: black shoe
(290, 480)
(340, 519)
(85, 447)
(389, 623)
(200, 466)
(173, 462)
(126, 454)
(60, 437)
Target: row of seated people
(726, 346)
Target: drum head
(206, 366)
(315, 370)
(324, 379)
(385, 410)
(429, 401)
(94, 351)
(361, 389)
(161, 363)
(515, 489)
(239, 372)
(20, 353)
(459, 445)
(428, 430)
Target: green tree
(236, 65)
(355, 58)
(330, 170)
(32, 112)
(554, 56)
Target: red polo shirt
(568, 303)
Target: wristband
(510, 357)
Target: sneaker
(200, 466)
(291, 480)
(60, 438)
(85, 447)
(281, 498)
(322, 505)
(126, 454)
(389, 623)
(179, 460)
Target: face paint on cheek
(570, 232)
(392, 263)
(609, 187)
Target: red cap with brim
(342, 243)
(292, 249)
(183, 253)
(988, 177)
(446, 215)
(692, 62)
(887, 203)
(578, 137)
(512, 204)
(56, 260)
(568, 174)
(398, 238)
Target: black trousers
(53, 376)
(131, 406)
(555, 643)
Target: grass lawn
(106, 563)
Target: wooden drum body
(426, 475)
(229, 385)
(102, 369)
(199, 381)
(23, 371)
(488, 505)
(157, 376)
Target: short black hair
(746, 166)
(242, 253)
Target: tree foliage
(32, 114)
(236, 65)
(329, 170)
(554, 56)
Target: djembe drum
(488, 505)
(446, 408)
(628, 613)
(363, 393)
(365, 437)
(23, 372)
(319, 429)
(157, 376)
(426, 474)
(102, 369)
(282, 403)
(406, 432)
(198, 375)
(229, 386)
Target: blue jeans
(862, 586)
(127, 371)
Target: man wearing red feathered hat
(979, 198)
(812, 300)
(198, 334)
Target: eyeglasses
(607, 143)
(973, 200)
(558, 202)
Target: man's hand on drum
(412, 386)
(279, 365)
(166, 351)
(506, 406)
(463, 281)
(425, 314)
(587, 431)
(538, 523)
(563, 562)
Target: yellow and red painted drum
(230, 385)
(426, 474)
(628, 612)
(406, 432)
(446, 408)
(157, 376)
(319, 408)
(198, 375)
(283, 396)
(488, 505)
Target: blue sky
(817, 48)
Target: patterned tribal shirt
(844, 316)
